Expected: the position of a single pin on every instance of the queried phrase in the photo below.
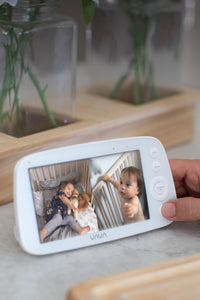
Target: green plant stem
(14, 60)
(121, 80)
(19, 53)
(41, 93)
(7, 80)
(137, 82)
(139, 64)
(15, 56)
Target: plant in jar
(37, 66)
(15, 65)
(126, 51)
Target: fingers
(183, 209)
(104, 177)
(179, 168)
(186, 176)
(128, 210)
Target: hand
(186, 175)
(129, 210)
(105, 177)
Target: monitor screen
(105, 192)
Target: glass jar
(134, 49)
(37, 67)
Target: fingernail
(169, 210)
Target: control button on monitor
(159, 188)
(154, 152)
(156, 166)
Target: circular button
(154, 152)
(156, 166)
(159, 188)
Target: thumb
(182, 209)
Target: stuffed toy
(74, 200)
(83, 202)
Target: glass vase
(134, 49)
(37, 67)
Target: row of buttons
(159, 186)
(154, 152)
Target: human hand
(186, 175)
(105, 177)
(129, 210)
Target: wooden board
(176, 279)
(170, 120)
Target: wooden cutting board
(176, 279)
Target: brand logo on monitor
(98, 235)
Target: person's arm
(67, 202)
(186, 175)
(107, 178)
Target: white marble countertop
(23, 276)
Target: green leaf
(88, 10)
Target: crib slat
(32, 184)
(36, 179)
(47, 169)
(114, 205)
(54, 171)
(33, 179)
(108, 206)
(59, 171)
(117, 194)
(41, 174)
(71, 168)
(102, 212)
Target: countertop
(49, 277)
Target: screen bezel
(25, 211)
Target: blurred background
(179, 34)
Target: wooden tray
(176, 279)
(170, 120)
